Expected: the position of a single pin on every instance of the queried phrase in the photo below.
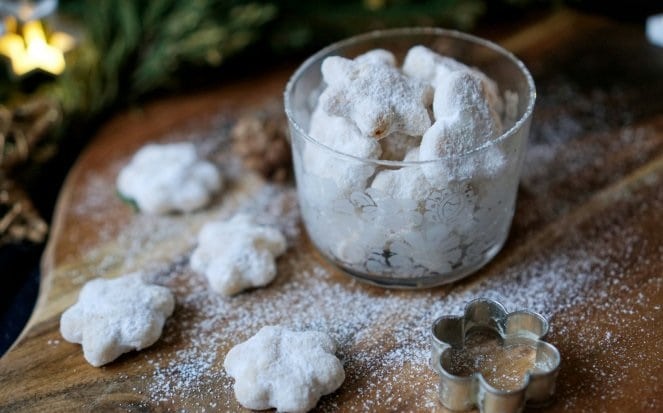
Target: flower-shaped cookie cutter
(526, 328)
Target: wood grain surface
(592, 187)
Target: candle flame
(29, 49)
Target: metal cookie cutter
(526, 328)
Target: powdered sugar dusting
(383, 334)
(591, 281)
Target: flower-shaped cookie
(377, 56)
(508, 365)
(465, 121)
(237, 254)
(170, 177)
(282, 369)
(341, 135)
(115, 316)
(424, 64)
(408, 182)
(377, 98)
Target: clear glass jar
(426, 228)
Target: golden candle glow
(28, 48)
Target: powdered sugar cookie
(377, 98)
(169, 177)
(408, 182)
(424, 64)
(282, 369)
(464, 121)
(462, 96)
(429, 66)
(237, 254)
(341, 135)
(115, 316)
(377, 56)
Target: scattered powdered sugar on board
(383, 334)
(582, 139)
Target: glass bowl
(420, 232)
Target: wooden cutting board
(586, 249)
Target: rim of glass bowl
(412, 31)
